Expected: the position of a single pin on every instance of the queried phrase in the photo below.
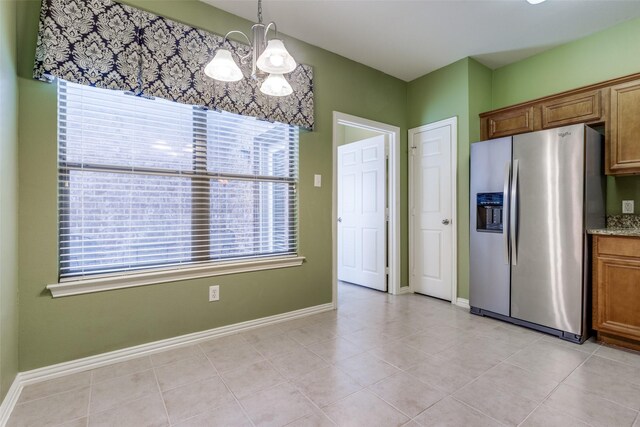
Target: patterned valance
(114, 46)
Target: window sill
(107, 283)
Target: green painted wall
(57, 330)
(480, 84)
(605, 55)
(8, 198)
(352, 134)
(447, 93)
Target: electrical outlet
(317, 180)
(627, 207)
(214, 293)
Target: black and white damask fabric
(89, 42)
(109, 45)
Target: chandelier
(270, 60)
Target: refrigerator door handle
(505, 213)
(513, 214)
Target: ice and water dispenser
(489, 206)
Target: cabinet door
(581, 108)
(510, 122)
(624, 129)
(618, 297)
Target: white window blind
(147, 183)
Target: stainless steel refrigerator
(532, 198)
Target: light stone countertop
(628, 232)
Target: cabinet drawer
(509, 122)
(618, 246)
(582, 108)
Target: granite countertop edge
(629, 232)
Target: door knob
(445, 221)
(339, 219)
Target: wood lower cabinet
(624, 129)
(616, 290)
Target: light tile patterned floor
(379, 360)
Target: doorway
(366, 145)
(432, 209)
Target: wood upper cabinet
(510, 122)
(567, 110)
(613, 103)
(551, 112)
(616, 290)
(623, 129)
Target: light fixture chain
(260, 11)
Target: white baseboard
(405, 290)
(462, 302)
(97, 361)
(10, 400)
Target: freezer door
(547, 228)
(489, 246)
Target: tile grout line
(597, 395)
(48, 396)
(235, 398)
(447, 394)
(179, 385)
(601, 397)
(290, 382)
(76, 388)
(164, 405)
(120, 375)
(264, 359)
(398, 409)
(312, 404)
(504, 361)
(556, 388)
(469, 405)
(477, 410)
(616, 360)
(90, 394)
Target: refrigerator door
(595, 184)
(489, 245)
(548, 227)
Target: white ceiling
(410, 38)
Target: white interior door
(432, 210)
(361, 213)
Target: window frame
(199, 265)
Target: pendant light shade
(276, 59)
(223, 67)
(276, 85)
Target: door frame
(453, 123)
(393, 179)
